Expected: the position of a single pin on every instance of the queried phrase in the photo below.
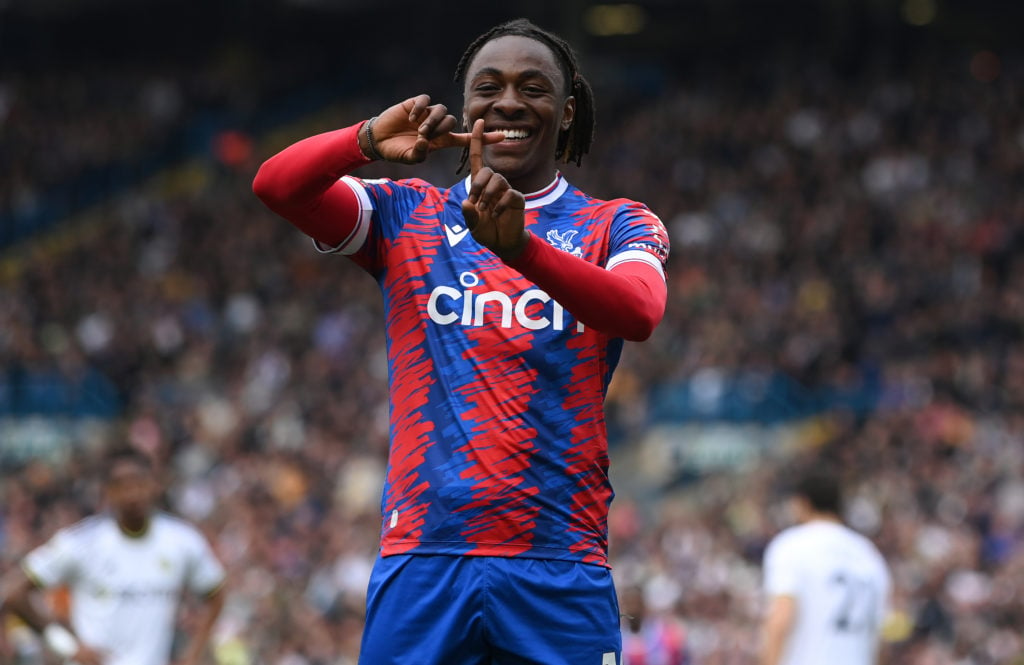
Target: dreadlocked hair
(574, 142)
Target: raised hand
(409, 131)
(494, 212)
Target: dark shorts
(475, 610)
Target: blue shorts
(477, 610)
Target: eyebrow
(526, 73)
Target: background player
(827, 585)
(126, 571)
(507, 300)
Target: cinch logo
(449, 306)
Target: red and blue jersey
(498, 442)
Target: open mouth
(513, 135)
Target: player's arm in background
(776, 628)
(885, 605)
(207, 579)
(20, 595)
(213, 604)
(781, 583)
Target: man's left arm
(208, 578)
(213, 603)
(627, 301)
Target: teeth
(516, 133)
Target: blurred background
(843, 183)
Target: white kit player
(827, 585)
(126, 571)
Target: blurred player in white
(827, 585)
(126, 571)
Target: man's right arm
(781, 582)
(18, 598)
(18, 590)
(778, 624)
(302, 184)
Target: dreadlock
(574, 142)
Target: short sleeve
(54, 562)
(206, 572)
(385, 207)
(781, 570)
(637, 234)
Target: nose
(509, 102)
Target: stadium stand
(846, 280)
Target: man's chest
(131, 571)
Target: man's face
(514, 84)
(131, 489)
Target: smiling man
(507, 297)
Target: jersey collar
(135, 535)
(542, 197)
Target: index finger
(476, 148)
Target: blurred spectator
(651, 635)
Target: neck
(133, 526)
(535, 182)
(817, 516)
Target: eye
(486, 87)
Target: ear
(568, 112)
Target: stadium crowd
(845, 232)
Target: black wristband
(370, 143)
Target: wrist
(517, 254)
(367, 142)
(60, 640)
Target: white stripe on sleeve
(354, 242)
(636, 255)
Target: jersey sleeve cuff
(357, 237)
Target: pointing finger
(476, 148)
(463, 139)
